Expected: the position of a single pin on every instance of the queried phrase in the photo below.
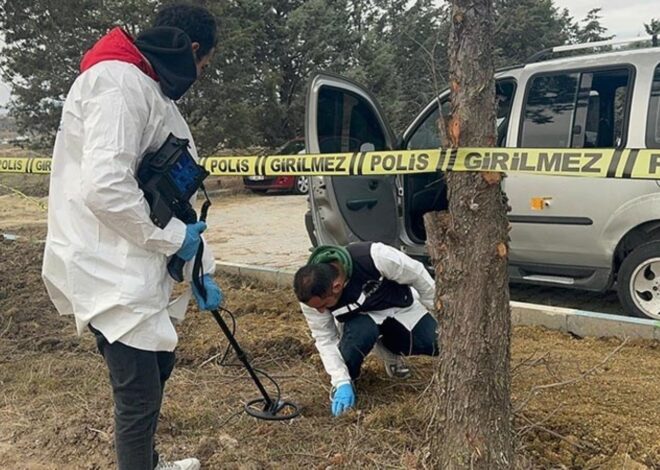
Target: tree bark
(469, 245)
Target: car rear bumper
(269, 182)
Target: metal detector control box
(169, 177)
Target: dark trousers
(138, 379)
(361, 333)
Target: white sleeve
(113, 128)
(324, 332)
(208, 262)
(399, 267)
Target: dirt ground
(56, 411)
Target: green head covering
(329, 253)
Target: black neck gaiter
(169, 51)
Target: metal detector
(169, 177)
(262, 408)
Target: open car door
(342, 117)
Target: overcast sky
(623, 18)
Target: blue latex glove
(343, 399)
(214, 295)
(191, 242)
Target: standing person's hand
(191, 241)
(214, 296)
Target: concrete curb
(279, 277)
(583, 323)
(578, 322)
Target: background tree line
(254, 91)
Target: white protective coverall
(393, 265)
(105, 261)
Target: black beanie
(170, 53)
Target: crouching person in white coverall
(105, 261)
(363, 296)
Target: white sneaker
(185, 464)
(398, 369)
(394, 364)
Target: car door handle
(357, 204)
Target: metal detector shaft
(243, 358)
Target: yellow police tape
(595, 163)
(25, 165)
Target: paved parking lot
(269, 230)
(260, 230)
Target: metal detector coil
(272, 412)
(265, 407)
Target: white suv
(584, 233)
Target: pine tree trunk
(468, 245)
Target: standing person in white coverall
(362, 296)
(105, 261)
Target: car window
(620, 101)
(549, 111)
(504, 90)
(292, 147)
(578, 109)
(346, 122)
(593, 118)
(653, 120)
(426, 135)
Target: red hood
(117, 45)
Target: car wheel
(638, 281)
(301, 185)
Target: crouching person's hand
(343, 399)
(214, 296)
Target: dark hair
(196, 21)
(314, 280)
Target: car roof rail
(545, 53)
